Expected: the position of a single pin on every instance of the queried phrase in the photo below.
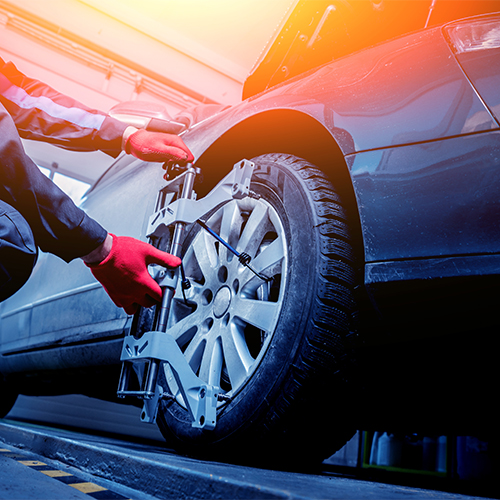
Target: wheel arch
(290, 132)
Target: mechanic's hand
(156, 146)
(124, 273)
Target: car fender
(410, 90)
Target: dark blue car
(373, 228)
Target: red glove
(124, 273)
(155, 146)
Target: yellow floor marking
(83, 487)
(87, 487)
(55, 473)
(31, 463)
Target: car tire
(284, 365)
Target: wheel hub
(222, 301)
(229, 316)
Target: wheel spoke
(258, 313)
(211, 364)
(195, 352)
(205, 254)
(193, 293)
(270, 256)
(188, 324)
(268, 263)
(229, 228)
(236, 354)
(255, 229)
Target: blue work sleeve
(33, 110)
(41, 113)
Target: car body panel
(370, 95)
(365, 100)
(431, 199)
(320, 31)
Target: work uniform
(34, 212)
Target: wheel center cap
(222, 301)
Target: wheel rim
(225, 321)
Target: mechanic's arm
(41, 113)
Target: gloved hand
(156, 146)
(124, 273)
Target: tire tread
(324, 356)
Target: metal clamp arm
(235, 185)
(199, 397)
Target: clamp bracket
(199, 397)
(236, 185)
(158, 350)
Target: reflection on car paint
(433, 199)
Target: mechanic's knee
(18, 251)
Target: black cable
(243, 257)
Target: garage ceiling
(227, 35)
(201, 48)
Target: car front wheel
(273, 337)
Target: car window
(74, 188)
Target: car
(369, 134)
